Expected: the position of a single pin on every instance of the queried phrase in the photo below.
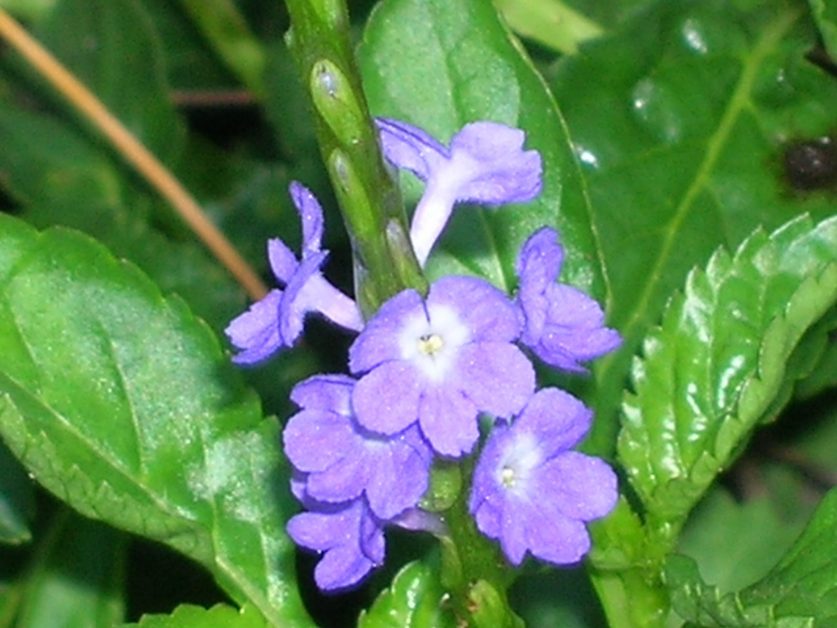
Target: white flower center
(521, 456)
(431, 342)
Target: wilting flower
(485, 163)
(276, 321)
(562, 325)
(440, 362)
(532, 492)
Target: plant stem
(369, 199)
(631, 598)
(132, 150)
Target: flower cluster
(425, 368)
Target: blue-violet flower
(440, 362)
(562, 325)
(276, 321)
(534, 494)
(340, 460)
(348, 534)
(485, 163)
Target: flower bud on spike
(336, 102)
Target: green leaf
(414, 599)
(825, 14)
(17, 500)
(190, 616)
(63, 178)
(719, 537)
(681, 119)
(112, 47)
(800, 591)
(439, 64)
(226, 30)
(77, 576)
(122, 404)
(715, 366)
(28, 9)
(549, 22)
(189, 59)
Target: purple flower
(350, 537)
(562, 325)
(441, 361)
(341, 461)
(531, 492)
(485, 163)
(276, 321)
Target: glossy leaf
(413, 600)
(683, 120)
(76, 578)
(17, 500)
(800, 591)
(442, 63)
(126, 71)
(190, 616)
(713, 370)
(122, 404)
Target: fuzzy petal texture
(350, 538)
(448, 420)
(298, 299)
(256, 331)
(410, 148)
(441, 362)
(531, 492)
(276, 321)
(339, 461)
(485, 163)
(485, 310)
(311, 217)
(496, 377)
(386, 400)
(379, 340)
(562, 326)
(494, 167)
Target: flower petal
(410, 148)
(296, 300)
(386, 400)
(401, 480)
(256, 331)
(379, 340)
(557, 419)
(325, 392)
(448, 420)
(311, 216)
(557, 539)
(315, 440)
(496, 377)
(486, 311)
(493, 167)
(582, 487)
(282, 260)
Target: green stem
(474, 571)
(369, 199)
(625, 567)
(631, 598)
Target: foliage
(689, 154)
